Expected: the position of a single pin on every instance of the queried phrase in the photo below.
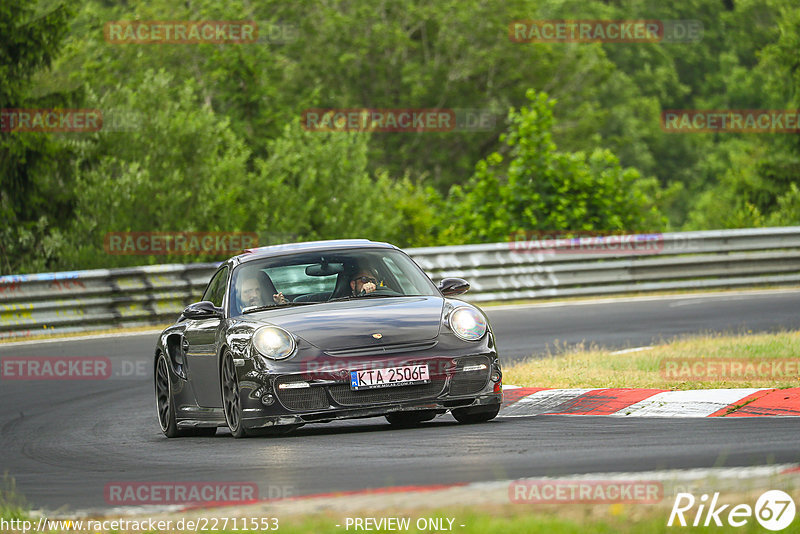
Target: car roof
(308, 246)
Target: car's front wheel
(165, 402)
(231, 397)
(476, 414)
(165, 405)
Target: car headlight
(274, 343)
(467, 324)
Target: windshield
(325, 276)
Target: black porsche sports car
(314, 332)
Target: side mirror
(450, 287)
(202, 310)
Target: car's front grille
(467, 382)
(300, 399)
(345, 396)
(379, 350)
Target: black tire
(476, 414)
(231, 396)
(165, 402)
(409, 419)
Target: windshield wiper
(368, 295)
(340, 299)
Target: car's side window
(215, 291)
(219, 290)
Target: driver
(364, 281)
(250, 293)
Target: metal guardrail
(108, 298)
(78, 301)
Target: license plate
(390, 376)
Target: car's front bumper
(255, 418)
(456, 382)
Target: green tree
(172, 165)
(317, 186)
(535, 186)
(36, 195)
(758, 177)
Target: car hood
(351, 324)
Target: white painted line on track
(635, 349)
(80, 338)
(621, 300)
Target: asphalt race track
(639, 322)
(63, 441)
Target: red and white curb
(625, 402)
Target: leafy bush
(533, 185)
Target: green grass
(593, 368)
(577, 519)
(484, 523)
(12, 504)
(477, 518)
(609, 519)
